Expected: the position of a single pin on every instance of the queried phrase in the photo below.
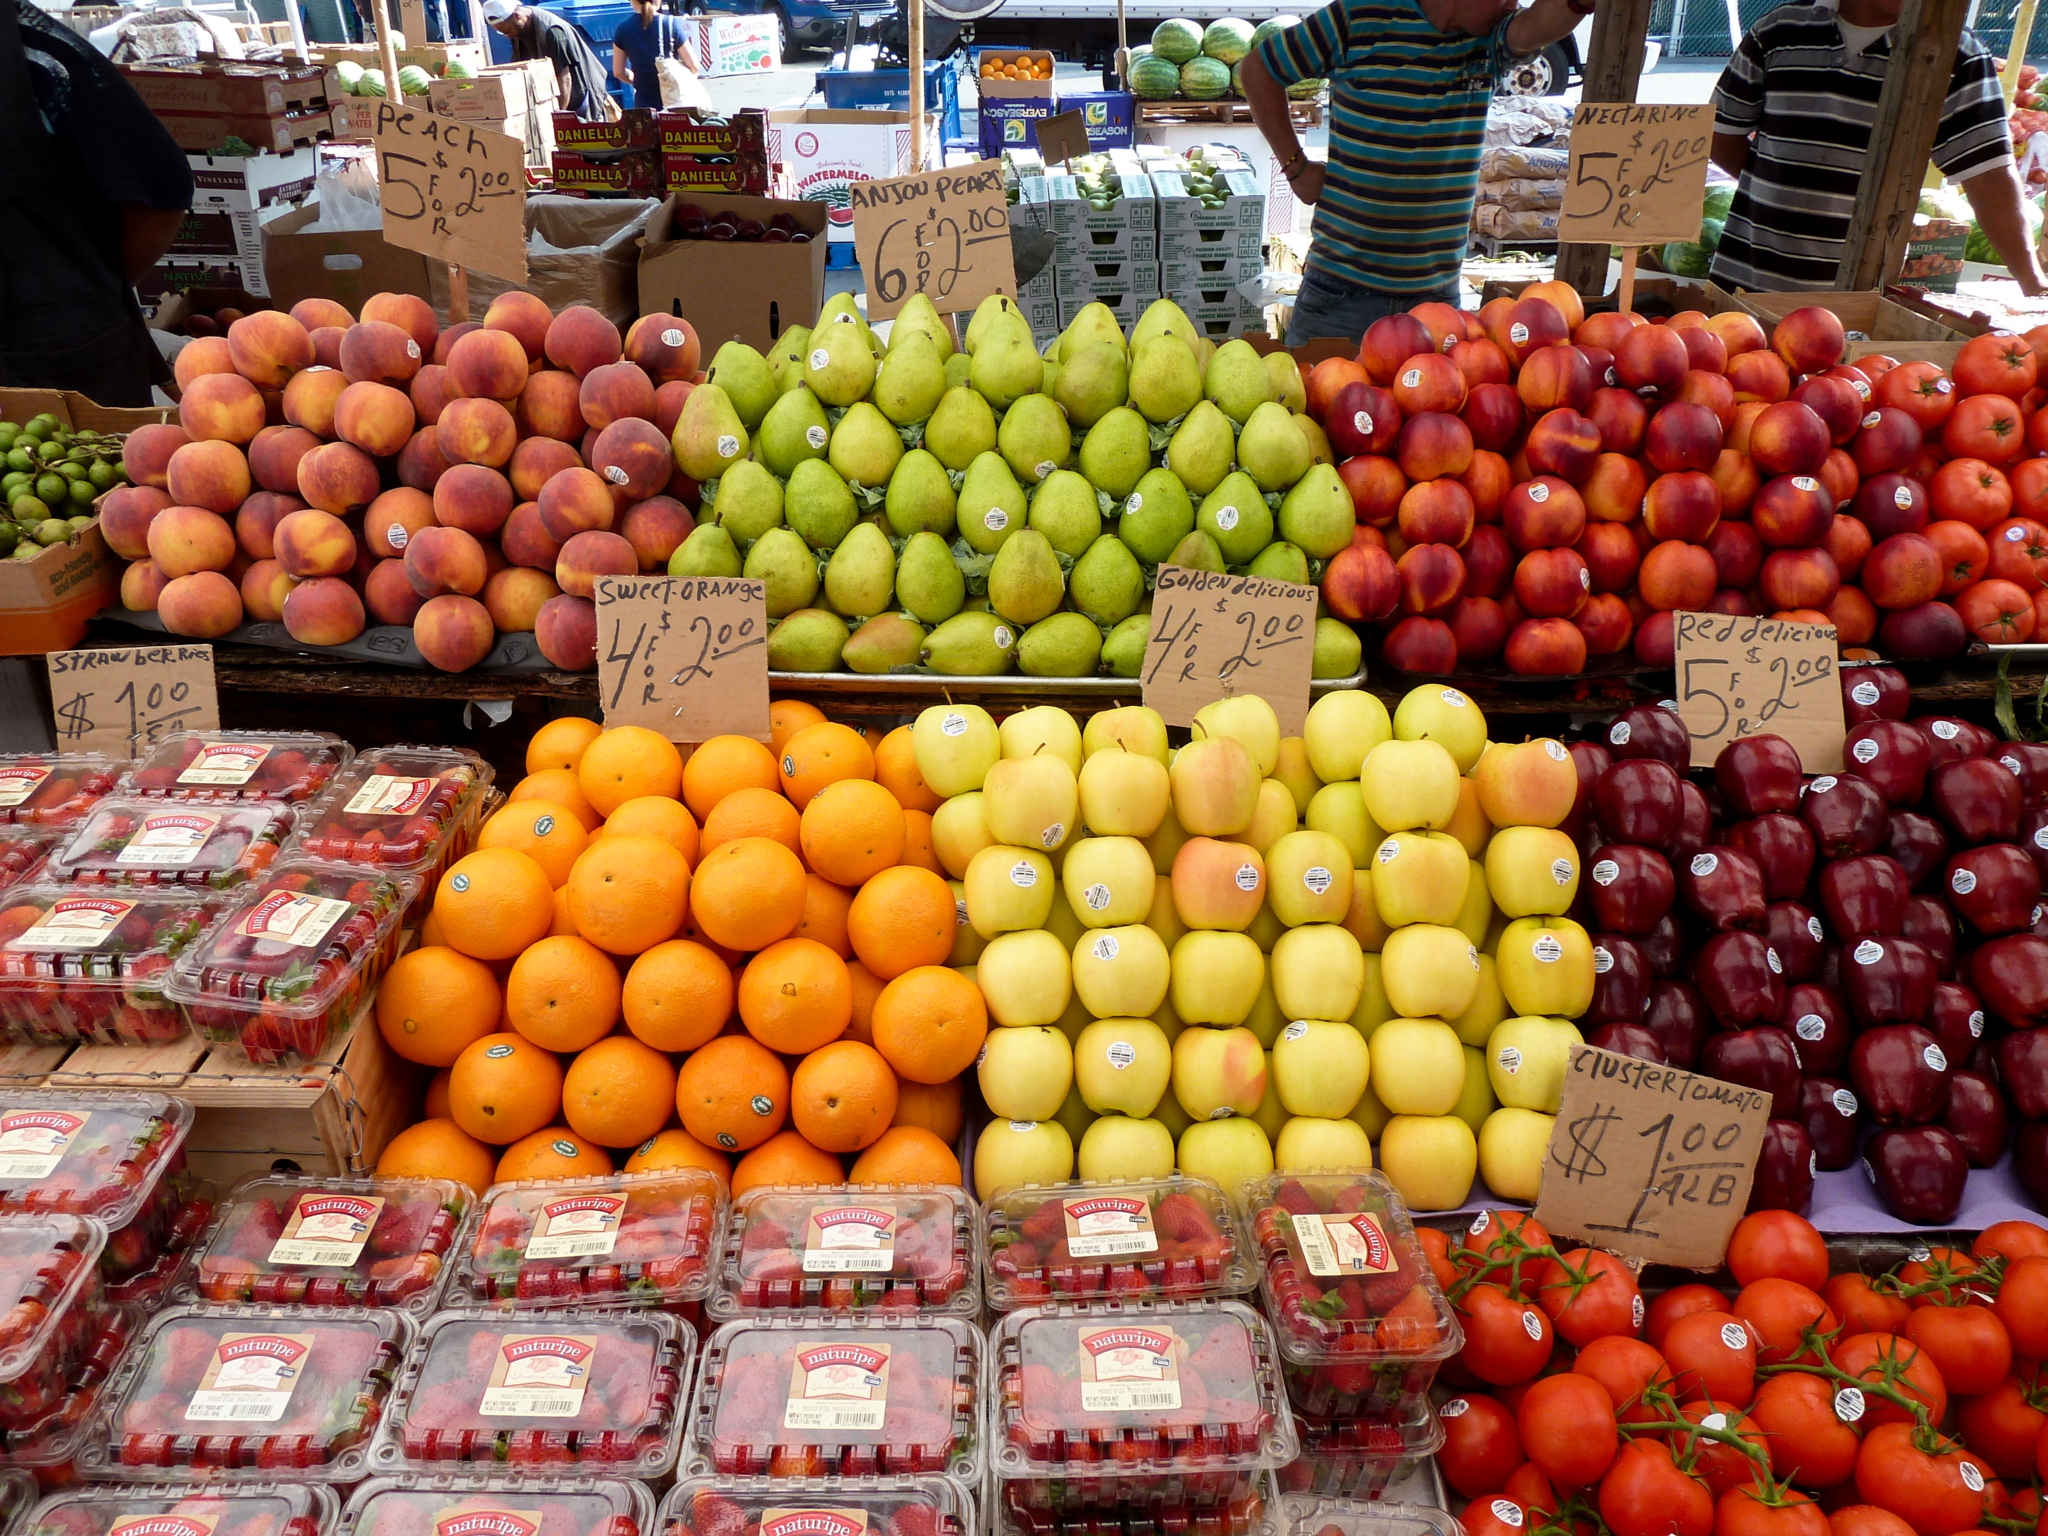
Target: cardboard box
(634, 174)
(1126, 307)
(245, 183)
(46, 602)
(502, 91)
(208, 232)
(345, 265)
(735, 45)
(204, 132)
(1183, 246)
(1218, 269)
(714, 173)
(1011, 124)
(745, 133)
(1875, 323)
(175, 274)
(1127, 229)
(823, 152)
(578, 251)
(730, 291)
(633, 131)
(1107, 116)
(1243, 207)
(1101, 279)
(233, 89)
(434, 58)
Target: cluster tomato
(1794, 1401)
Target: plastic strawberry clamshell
(1294, 1514)
(283, 1239)
(53, 1311)
(1361, 1458)
(1362, 1325)
(280, 1509)
(23, 849)
(856, 1248)
(612, 1239)
(451, 1506)
(292, 766)
(129, 841)
(832, 1506)
(86, 964)
(53, 789)
(50, 1444)
(1174, 1238)
(408, 810)
(838, 1395)
(249, 1394)
(532, 1393)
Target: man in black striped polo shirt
(1793, 115)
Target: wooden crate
(1876, 322)
(1303, 114)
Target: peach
(1622, 419)
(1436, 512)
(1361, 584)
(378, 353)
(550, 406)
(338, 478)
(656, 528)
(201, 355)
(388, 595)
(1493, 414)
(1480, 361)
(1685, 506)
(444, 343)
(1792, 512)
(590, 554)
(1606, 330)
(1528, 326)
(314, 314)
(1835, 401)
(1809, 340)
(525, 539)
(1799, 578)
(474, 498)
(1556, 377)
(476, 432)
(310, 397)
(580, 339)
(1838, 472)
(1422, 645)
(1737, 480)
(313, 543)
(536, 461)
(454, 633)
(1543, 513)
(445, 560)
(265, 586)
(566, 632)
(147, 452)
(141, 584)
(222, 406)
(1546, 647)
(665, 347)
(515, 596)
(257, 519)
(487, 364)
(202, 606)
(524, 317)
(1759, 375)
(576, 500)
(324, 611)
(409, 312)
(327, 346)
(1789, 438)
(393, 518)
(125, 516)
(613, 392)
(1849, 543)
(1327, 378)
(182, 540)
(269, 347)
(1565, 444)
(421, 462)
(1676, 576)
(668, 404)
(431, 390)
(1854, 616)
(1680, 436)
(1738, 554)
(274, 455)
(209, 474)
(633, 455)
(374, 417)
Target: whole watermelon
(1229, 39)
(1177, 41)
(1269, 26)
(1204, 78)
(414, 81)
(1306, 90)
(1154, 78)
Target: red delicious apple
(1626, 1039)
(1863, 897)
(1814, 1017)
(1679, 1019)
(2027, 761)
(1887, 981)
(1741, 978)
(1928, 922)
(1871, 692)
(1891, 755)
(1630, 887)
(1827, 1108)
(1932, 632)
(1621, 980)
(1795, 932)
(1759, 775)
(1956, 1020)
(1783, 849)
(1994, 887)
(2023, 1067)
(1977, 800)
(1900, 1073)
(1723, 887)
(1918, 843)
(1760, 1057)
(1664, 946)
(1976, 1118)
(1646, 730)
(2011, 976)
(1919, 1173)
(1638, 801)
(1785, 1162)
(1845, 814)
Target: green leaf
(707, 493)
(1107, 504)
(912, 435)
(2002, 701)
(1159, 434)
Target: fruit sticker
(814, 1522)
(384, 794)
(33, 1141)
(20, 780)
(250, 1378)
(327, 1230)
(487, 1522)
(539, 1376)
(168, 840)
(1129, 1370)
(1347, 1243)
(74, 922)
(294, 917)
(174, 1523)
(576, 1227)
(838, 1387)
(1102, 1226)
(224, 764)
(850, 1239)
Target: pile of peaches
(330, 473)
(1540, 487)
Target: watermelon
(1176, 41)
(414, 81)
(372, 83)
(350, 74)
(1154, 78)
(1229, 39)
(1269, 26)
(1204, 78)
(459, 69)
(1306, 90)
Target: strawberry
(1294, 1199)
(713, 1514)
(917, 1520)
(1047, 1225)
(1181, 1218)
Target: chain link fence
(1701, 28)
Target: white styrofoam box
(1134, 212)
(736, 45)
(1243, 207)
(244, 183)
(1126, 307)
(1108, 279)
(1246, 247)
(1040, 301)
(823, 152)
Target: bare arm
(621, 70)
(687, 56)
(1730, 152)
(1995, 199)
(1542, 24)
(1268, 100)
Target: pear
(991, 504)
(1280, 561)
(794, 429)
(1236, 380)
(1034, 438)
(958, 367)
(1062, 645)
(747, 380)
(841, 309)
(1165, 382)
(788, 570)
(911, 379)
(961, 428)
(1319, 450)
(817, 505)
(1107, 583)
(1048, 375)
(928, 584)
(1006, 368)
(1096, 323)
(865, 446)
(1339, 650)
(1202, 448)
(839, 367)
(970, 644)
(1116, 452)
(1162, 317)
(1123, 648)
(1204, 350)
(709, 434)
(1157, 516)
(1317, 514)
(786, 357)
(919, 317)
(1094, 380)
(1236, 516)
(808, 640)
(861, 577)
(1064, 509)
(749, 502)
(998, 313)
(1284, 381)
(1196, 552)
(920, 497)
(1024, 584)
(886, 643)
(1271, 448)
(708, 551)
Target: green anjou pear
(1197, 552)
(1061, 645)
(709, 434)
(1116, 452)
(839, 367)
(970, 644)
(961, 429)
(1165, 383)
(1283, 377)
(1157, 515)
(1065, 510)
(1095, 323)
(929, 584)
(786, 357)
(920, 496)
(1123, 648)
(920, 317)
(1339, 650)
(1317, 514)
(1163, 317)
(996, 313)
(1236, 380)
(1202, 448)
(1006, 368)
(1279, 561)
(865, 446)
(747, 380)
(817, 506)
(749, 502)
(861, 576)
(1094, 379)
(1236, 516)
(708, 551)
(786, 567)
(991, 504)
(808, 640)
(1034, 438)
(1024, 584)
(794, 429)
(911, 379)
(841, 309)
(1272, 449)
(1107, 582)
(958, 366)
(886, 643)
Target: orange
(842, 1096)
(669, 1149)
(795, 996)
(748, 893)
(722, 765)
(555, 1152)
(430, 930)
(824, 919)
(557, 786)
(906, 1154)
(504, 1087)
(627, 894)
(562, 922)
(851, 830)
(433, 1002)
(901, 919)
(785, 1159)
(896, 771)
(563, 993)
(930, 1023)
(823, 754)
(917, 842)
(936, 1107)
(438, 1149)
(619, 1092)
(436, 1105)
(548, 833)
(655, 816)
(678, 995)
(733, 1093)
(626, 762)
(753, 813)
(493, 903)
(788, 716)
(867, 986)
(560, 743)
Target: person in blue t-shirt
(645, 38)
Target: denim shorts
(1331, 306)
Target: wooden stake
(458, 292)
(1901, 138)
(1614, 68)
(2016, 54)
(916, 8)
(387, 51)
(1123, 49)
(1628, 278)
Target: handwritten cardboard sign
(1648, 1161)
(452, 190)
(1215, 635)
(1637, 173)
(123, 700)
(684, 655)
(944, 234)
(1741, 677)
(1062, 137)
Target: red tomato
(1862, 1307)
(1996, 364)
(1778, 1313)
(1808, 1441)
(1494, 1516)
(1967, 1344)
(1778, 1244)
(2013, 1239)
(1624, 1367)
(2003, 1426)
(1946, 1273)
(1436, 1247)
(1866, 1520)
(1715, 1462)
(1567, 1427)
(1908, 1368)
(2019, 552)
(1930, 1490)
(1712, 1355)
(1987, 427)
(1644, 1494)
(1973, 492)
(1528, 1487)
(1607, 1303)
(1920, 389)
(2022, 1305)
(1680, 1301)
(1500, 1235)
(1480, 1445)
(1506, 1341)
(1743, 1512)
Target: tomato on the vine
(1862, 1307)
(1502, 1236)
(1493, 1515)
(1625, 1367)
(1866, 1520)
(1808, 1439)
(2012, 1240)
(1714, 1461)
(1567, 1427)
(1968, 1345)
(1946, 1273)
(1712, 1355)
(1778, 1245)
(1481, 1446)
(1937, 1491)
(1645, 1494)
(1886, 1359)
(1778, 1314)
(1436, 1247)
(1592, 1295)
(2022, 1305)
(1528, 1487)
(2002, 1426)
(1506, 1341)
(1745, 1512)
(1681, 1301)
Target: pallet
(1303, 114)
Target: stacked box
(1039, 298)
(247, 183)
(517, 100)
(1107, 255)
(268, 106)
(1206, 251)
(1105, 116)
(729, 156)
(608, 159)
(1011, 110)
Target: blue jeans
(1331, 306)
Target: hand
(2031, 282)
(1308, 182)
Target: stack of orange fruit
(732, 957)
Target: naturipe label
(1349, 1243)
(484, 1522)
(850, 1240)
(328, 1230)
(33, 1141)
(226, 763)
(250, 1378)
(293, 917)
(166, 1524)
(168, 840)
(74, 923)
(385, 794)
(20, 780)
(1126, 1369)
(814, 1522)
(539, 1375)
(576, 1227)
(838, 1386)
(1108, 1226)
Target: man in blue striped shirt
(1409, 85)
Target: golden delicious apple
(1532, 871)
(1447, 715)
(1010, 1153)
(1410, 784)
(955, 745)
(1122, 1066)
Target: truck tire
(1545, 73)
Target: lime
(80, 493)
(51, 487)
(101, 474)
(20, 459)
(27, 549)
(52, 530)
(49, 451)
(28, 509)
(80, 523)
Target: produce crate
(246, 183)
(1888, 322)
(1303, 114)
(234, 90)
